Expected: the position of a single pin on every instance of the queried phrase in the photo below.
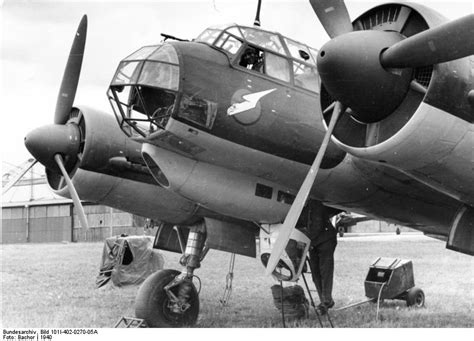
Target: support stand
(228, 282)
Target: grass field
(52, 285)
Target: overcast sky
(37, 35)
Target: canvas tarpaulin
(128, 260)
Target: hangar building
(32, 213)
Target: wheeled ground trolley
(392, 278)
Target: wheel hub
(179, 303)
(179, 297)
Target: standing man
(323, 235)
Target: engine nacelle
(430, 135)
(149, 201)
(110, 172)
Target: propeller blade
(295, 209)
(68, 88)
(333, 15)
(72, 191)
(450, 41)
(19, 176)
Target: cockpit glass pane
(144, 90)
(306, 76)
(229, 43)
(232, 45)
(142, 53)
(235, 31)
(165, 53)
(208, 36)
(160, 75)
(314, 54)
(299, 51)
(127, 73)
(263, 39)
(276, 66)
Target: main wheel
(155, 306)
(415, 297)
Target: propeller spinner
(57, 146)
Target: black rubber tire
(151, 303)
(415, 298)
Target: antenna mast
(257, 16)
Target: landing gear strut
(168, 298)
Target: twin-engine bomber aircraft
(227, 136)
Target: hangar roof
(30, 191)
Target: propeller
(450, 41)
(370, 71)
(72, 190)
(57, 146)
(333, 15)
(300, 200)
(68, 88)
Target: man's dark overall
(323, 237)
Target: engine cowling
(109, 170)
(429, 134)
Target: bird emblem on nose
(245, 107)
